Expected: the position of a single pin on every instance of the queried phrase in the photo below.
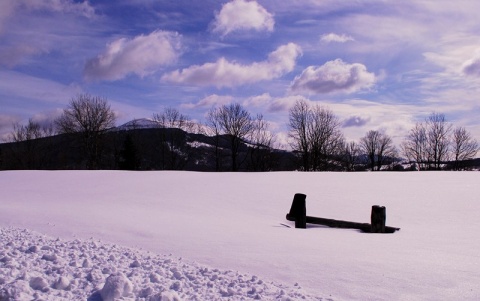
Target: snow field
(232, 221)
(36, 267)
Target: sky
(377, 65)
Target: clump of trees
(316, 136)
(235, 124)
(351, 159)
(88, 116)
(464, 147)
(28, 149)
(234, 140)
(433, 143)
(379, 149)
(172, 139)
(261, 156)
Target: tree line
(239, 141)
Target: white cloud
(23, 96)
(258, 100)
(48, 117)
(8, 8)
(39, 90)
(273, 104)
(283, 104)
(454, 88)
(472, 66)
(455, 53)
(224, 73)
(241, 15)
(209, 101)
(333, 76)
(6, 125)
(359, 116)
(32, 28)
(141, 55)
(355, 121)
(63, 6)
(333, 37)
(11, 55)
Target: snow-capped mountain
(135, 124)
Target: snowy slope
(231, 222)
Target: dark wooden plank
(365, 227)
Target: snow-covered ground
(42, 268)
(209, 236)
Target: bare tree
(214, 131)
(415, 146)
(299, 120)
(428, 143)
(236, 123)
(464, 146)
(325, 137)
(379, 149)
(173, 138)
(438, 132)
(369, 145)
(387, 152)
(25, 132)
(315, 134)
(261, 155)
(172, 118)
(351, 155)
(28, 150)
(88, 116)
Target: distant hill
(140, 145)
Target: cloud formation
(472, 66)
(224, 73)
(9, 7)
(209, 101)
(272, 104)
(39, 89)
(241, 15)
(333, 37)
(30, 28)
(7, 121)
(64, 6)
(283, 104)
(258, 100)
(333, 76)
(141, 55)
(356, 121)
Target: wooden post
(298, 211)
(378, 218)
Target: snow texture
(117, 273)
(219, 236)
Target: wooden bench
(298, 214)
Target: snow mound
(37, 267)
(116, 286)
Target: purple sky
(378, 65)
